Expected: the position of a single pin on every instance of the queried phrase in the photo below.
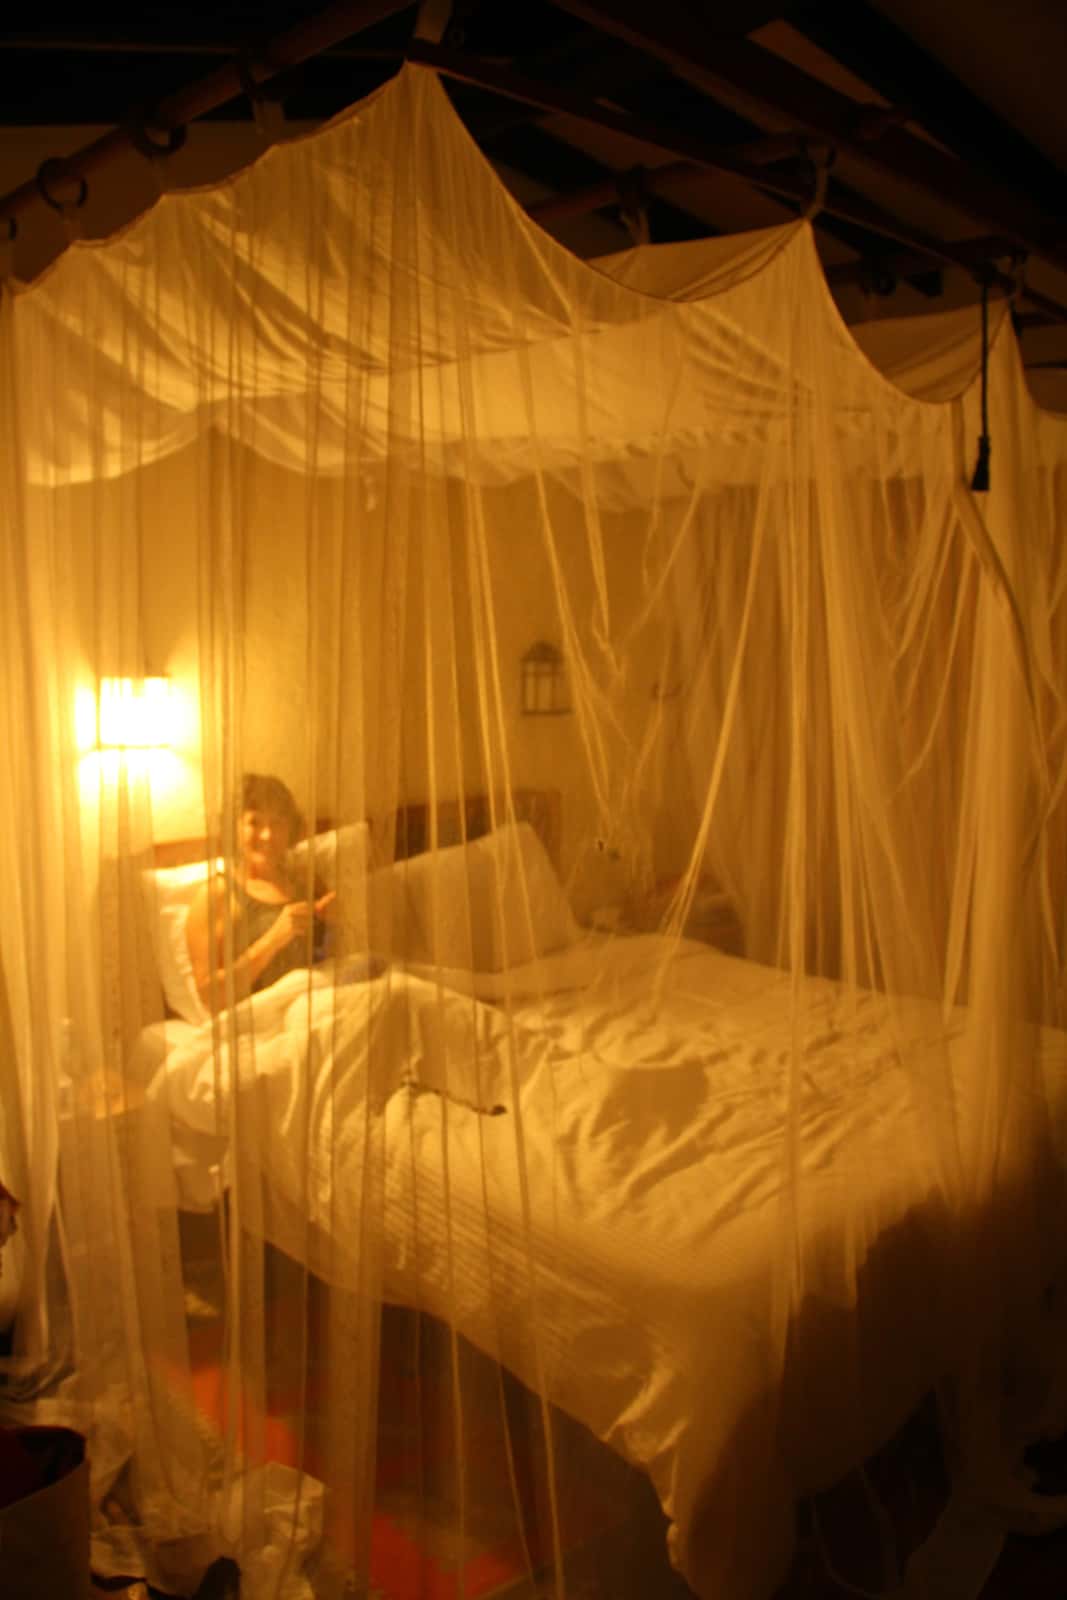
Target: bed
(590, 1142)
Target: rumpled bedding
(695, 1206)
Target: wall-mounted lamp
(134, 714)
(544, 682)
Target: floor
(1028, 1569)
(615, 1536)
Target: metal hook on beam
(819, 159)
(152, 141)
(51, 176)
(632, 189)
(9, 228)
(267, 110)
(432, 21)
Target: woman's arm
(205, 935)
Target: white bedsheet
(575, 967)
(616, 1235)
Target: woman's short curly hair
(262, 791)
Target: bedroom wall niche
(612, 1139)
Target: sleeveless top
(253, 919)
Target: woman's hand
(295, 919)
(292, 922)
(205, 936)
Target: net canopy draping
(651, 1069)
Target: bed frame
(416, 826)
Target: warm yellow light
(134, 713)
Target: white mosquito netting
(658, 1142)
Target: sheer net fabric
(419, 1270)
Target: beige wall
(364, 641)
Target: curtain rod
(288, 49)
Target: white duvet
(597, 1187)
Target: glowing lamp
(134, 714)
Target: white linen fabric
(337, 857)
(649, 1202)
(335, 445)
(339, 860)
(488, 905)
(168, 894)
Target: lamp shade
(134, 713)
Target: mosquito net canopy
(534, 915)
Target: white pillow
(168, 894)
(341, 860)
(532, 913)
(390, 920)
(488, 905)
(449, 898)
(340, 856)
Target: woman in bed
(275, 926)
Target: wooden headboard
(474, 815)
(182, 852)
(412, 828)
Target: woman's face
(264, 838)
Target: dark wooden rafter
(686, 84)
(763, 86)
(1024, 320)
(600, 75)
(877, 262)
(895, 67)
(290, 48)
(928, 252)
(747, 161)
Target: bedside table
(610, 919)
(712, 918)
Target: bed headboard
(459, 819)
(473, 815)
(181, 852)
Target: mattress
(696, 1206)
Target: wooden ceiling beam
(682, 147)
(297, 44)
(672, 142)
(880, 53)
(1032, 319)
(762, 86)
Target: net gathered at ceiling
(535, 899)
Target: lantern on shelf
(544, 682)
